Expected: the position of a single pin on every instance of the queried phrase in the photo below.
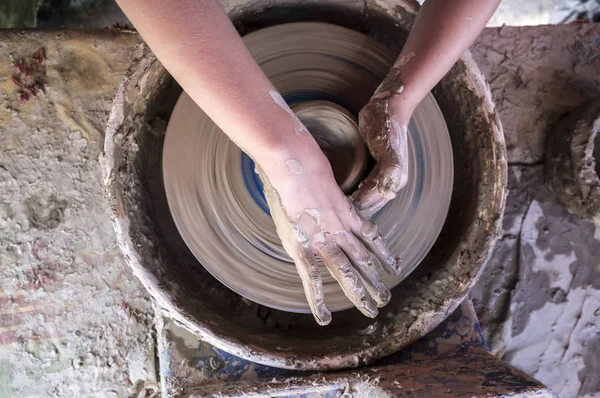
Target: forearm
(199, 46)
(442, 31)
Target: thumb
(381, 186)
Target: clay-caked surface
(572, 162)
(160, 258)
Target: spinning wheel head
(215, 197)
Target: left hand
(383, 124)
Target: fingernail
(324, 318)
(369, 308)
(384, 295)
(396, 265)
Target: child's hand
(383, 124)
(314, 217)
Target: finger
(381, 186)
(370, 237)
(341, 269)
(387, 140)
(363, 261)
(308, 270)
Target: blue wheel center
(253, 183)
(251, 180)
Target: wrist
(402, 107)
(401, 98)
(288, 157)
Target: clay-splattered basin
(187, 292)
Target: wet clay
(196, 300)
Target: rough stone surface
(572, 162)
(537, 75)
(539, 298)
(73, 319)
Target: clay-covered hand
(314, 218)
(383, 124)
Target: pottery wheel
(327, 74)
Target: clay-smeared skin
(349, 253)
(294, 166)
(299, 128)
(426, 57)
(386, 137)
(347, 243)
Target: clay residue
(294, 166)
(570, 168)
(537, 75)
(539, 299)
(406, 58)
(388, 143)
(296, 241)
(298, 126)
(45, 211)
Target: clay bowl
(189, 294)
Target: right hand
(314, 217)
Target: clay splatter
(405, 58)
(294, 166)
(298, 126)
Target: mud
(197, 301)
(493, 293)
(571, 168)
(538, 74)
